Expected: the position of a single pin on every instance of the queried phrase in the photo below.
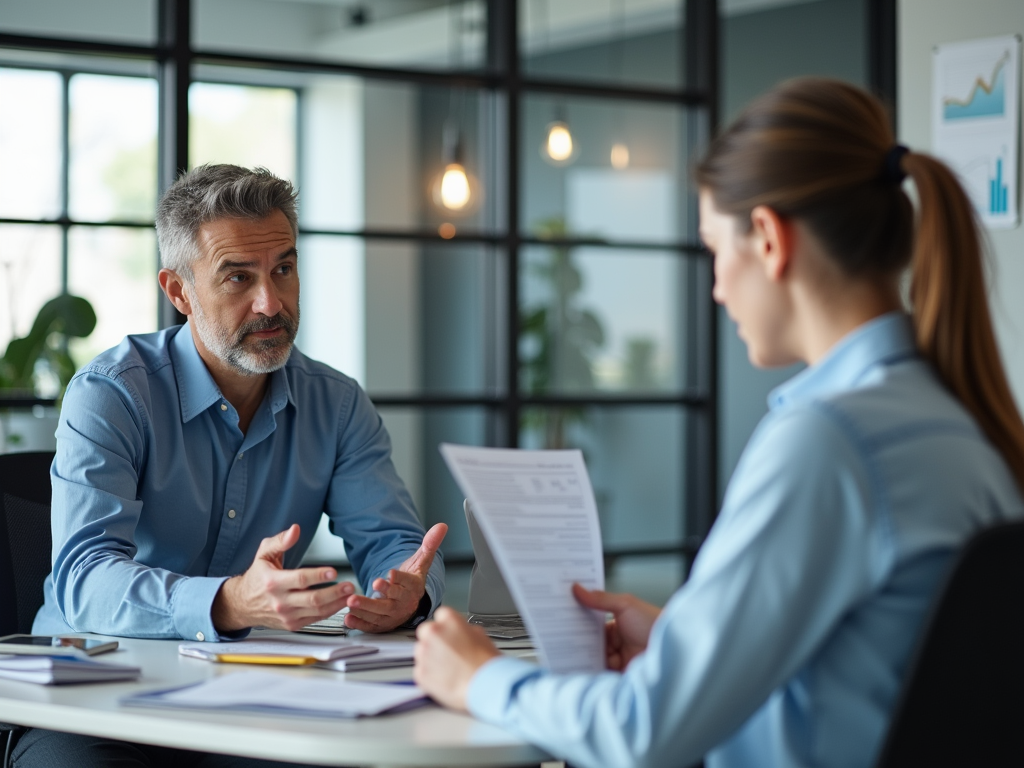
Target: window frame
(697, 97)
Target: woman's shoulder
(890, 403)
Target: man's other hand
(448, 654)
(627, 633)
(398, 596)
(269, 595)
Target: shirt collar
(883, 340)
(197, 390)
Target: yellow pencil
(237, 658)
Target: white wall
(924, 24)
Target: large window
(498, 236)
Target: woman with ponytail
(788, 644)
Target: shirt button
(241, 454)
(231, 514)
(223, 406)
(200, 636)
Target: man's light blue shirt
(158, 497)
(788, 643)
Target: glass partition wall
(497, 235)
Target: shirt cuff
(191, 607)
(423, 610)
(493, 686)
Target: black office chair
(24, 537)
(24, 547)
(962, 703)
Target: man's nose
(266, 301)
(717, 295)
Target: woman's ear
(174, 287)
(773, 239)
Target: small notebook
(389, 654)
(58, 670)
(274, 651)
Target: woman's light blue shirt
(158, 497)
(787, 645)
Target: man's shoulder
(305, 371)
(138, 354)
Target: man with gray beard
(193, 464)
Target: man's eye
(237, 279)
(285, 269)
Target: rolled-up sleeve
(98, 586)
(794, 548)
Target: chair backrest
(24, 537)
(962, 702)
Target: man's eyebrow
(227, 266)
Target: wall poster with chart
(976, 121)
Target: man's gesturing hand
(398, 596)
(269, 595)
(626, 635)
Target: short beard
(254, 358)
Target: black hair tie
(891, 170)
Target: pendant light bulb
(559, 147)
(455, 187)
(454, 190)
(620, 156)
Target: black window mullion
(504, 50)
(175, 74)
(701, 438)
(65, 176)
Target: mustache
(280, 320)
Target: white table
(429, 736)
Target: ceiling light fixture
(454, 189)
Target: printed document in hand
(269, 693)
(537, 511)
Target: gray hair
(212, 192)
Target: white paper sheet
(284, 694)
(537, 511)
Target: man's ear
(174, 288)
(773, 239)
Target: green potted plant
(59, 319)
(28, 359)
(560, 338)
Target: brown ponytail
(816, 150)
(951, 317)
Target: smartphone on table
(48, 645)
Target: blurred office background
(498, 238)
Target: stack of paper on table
(332, 625)
(275, 651)
(269, 693)
(56, 670)
(396, 653)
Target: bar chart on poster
(976, 122)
